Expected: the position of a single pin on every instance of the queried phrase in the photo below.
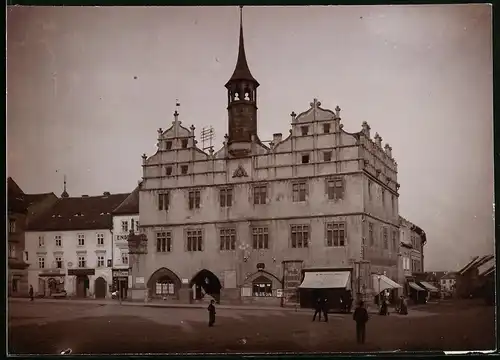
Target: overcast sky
(89, 87)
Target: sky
(88, 87)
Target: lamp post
(378, 278)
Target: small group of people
(401, 307)
(321, 306)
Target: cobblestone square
(49, 328)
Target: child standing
(211, 313)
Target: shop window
(262, 287)
(164, 286)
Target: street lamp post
(379, 303)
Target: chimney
(106, 193)
(85, 196)
(378, 140)
(388, 150)
(277, 138)
(366, 129)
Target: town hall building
(317, 208)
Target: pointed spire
(64, 193)
(241, 71)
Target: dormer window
(326, 128)
(184, 143)
(304, 130)
(168, 145)
(305, 158)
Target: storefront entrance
(82, 286)
(100, 288)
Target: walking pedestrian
(317, 308)
(211, 313)
(360, 316)
(31, 292)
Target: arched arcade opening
(164, 283)
(206, 282)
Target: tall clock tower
(242, 103)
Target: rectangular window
(100, 261)
(385, 238)
(100, 239)
(26, 256)
(394, 242)
(59, 262)
(194, 240)
(304, 130)
(227, 239)
(305, 158)
(371, 237)
(124, 258)
(259, 194)
(335, 234)
(41, 241)
(393, 204)
(184, 143)
(260, 238)
(194, 199)
(326, 128)
(164, 201)
(12, 251)
(383, 197)
(184, 169)
(164, 241)
(168, 170)
(335, 189)
(81, 240)
(299, 191)
(132, 224)
(327, 156)
(82, 261)
(41, 263)
(125, 226)
(12, 226)
(300, 236)
(168, 145)
(369, 190)
(226, 197)
(58, 240)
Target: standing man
(324, 308)
(360, 316)
(31, 292)
(211, 313)
(317, 308)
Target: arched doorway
(100, 288)
(205, 281)
(164, 283)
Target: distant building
(70, 246)
(252, 222)
(448, 283)
(21, 210)
(411, 261)
(125, 221)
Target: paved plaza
(87, 327)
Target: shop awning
(415, 286)
(326, 280)
(384, 283)
(428, 286)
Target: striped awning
(415, 286)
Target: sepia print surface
(258, 179)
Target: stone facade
(412, 241)
(320, 195)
